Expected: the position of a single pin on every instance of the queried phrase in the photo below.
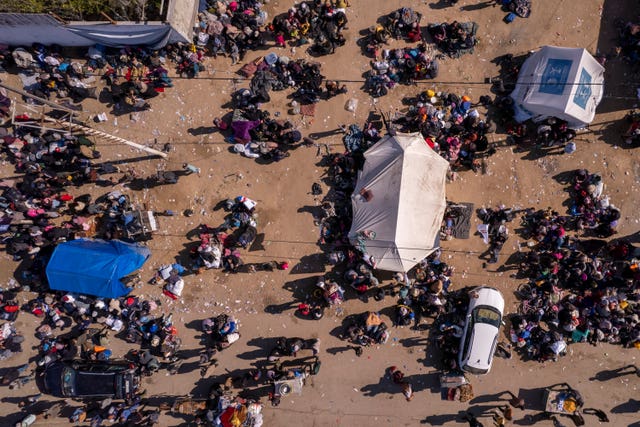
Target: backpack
(315, 367)
(316, 190)
(452, 98)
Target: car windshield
(68, 381)
(488, 315)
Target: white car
(481, 329)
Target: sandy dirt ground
(353, 391)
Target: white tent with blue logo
(561, 82)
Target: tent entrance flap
(399, 202)
(94, 267)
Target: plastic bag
(352, 105)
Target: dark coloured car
(117, 380)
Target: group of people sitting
(132, 75)
(255, 135)
(592, 207)
(233, 28)
(220, 246)
(455, 38)
(51, 162)
(400, 66)
(278, 73)
(451, 125)
(578, 293)
(320, 21)
(628, 38)
(366, 329)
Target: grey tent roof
(18, 19)
(25, 29)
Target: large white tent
(399, 202)
(561, 82)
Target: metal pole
(37, 98)
(113, 138)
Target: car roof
(96, 384)
(486, 296)
(481, 345)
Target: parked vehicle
(481, 329)
(81, 379)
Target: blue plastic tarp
(94, 267)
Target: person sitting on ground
(333, 88)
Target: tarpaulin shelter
(152, 36)
(25, 29)
(94, 267)
(561, 82)
(399, 202)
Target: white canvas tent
(399, 202)
(561, 82)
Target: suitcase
(250, 68)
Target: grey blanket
(460, 214)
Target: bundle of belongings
(456, 387)
(401, 66)
(170, 276)
(454, 39)
(121, 218)
(521, 8)
(10, 341)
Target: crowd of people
(628, 38)
(132, 75)
(585, 288)
(451, 125)
(255, 135)
(400, 66)
(276, 73)
(231, 29)
(574, 292)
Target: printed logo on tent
(554, 77)
(583, 93)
